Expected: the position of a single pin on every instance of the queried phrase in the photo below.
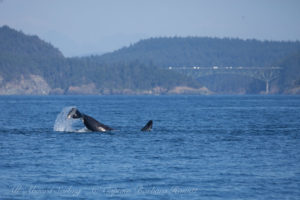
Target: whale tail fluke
(74, 113)
(148, 126)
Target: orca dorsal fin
(148, 126)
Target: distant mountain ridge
(205, 52)
(29, 65)
(15, 42)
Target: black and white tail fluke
(148, 126)
(74, 113)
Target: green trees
(203, 51)
(290, 75)
(142, 66)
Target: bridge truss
(265, 74)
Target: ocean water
(201, 147)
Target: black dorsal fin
(148, 126)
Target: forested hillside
(289, 81)
(29, 65)
(208, 52)
(204, 52)
(22, 56)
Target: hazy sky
(81, 27)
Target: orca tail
(148, 126)
(74, 113)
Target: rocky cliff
(32, 84)
(37, 85)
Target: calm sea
(201, 147)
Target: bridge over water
(265, 74)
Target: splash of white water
(62, 123)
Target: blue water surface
(201, 147)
